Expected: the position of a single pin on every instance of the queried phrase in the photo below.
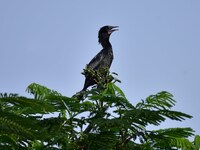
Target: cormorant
(104, 58)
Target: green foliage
(197, 142)
(104, 119)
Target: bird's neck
(106, 43)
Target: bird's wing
(96, 61)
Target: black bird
(104, 58)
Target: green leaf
(39, 91)
(197, 142)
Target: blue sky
(156, 48)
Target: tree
(105, 119)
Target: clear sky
(157, 47)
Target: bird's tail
(79, 95)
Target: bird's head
(105, 32)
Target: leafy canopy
(103, 119)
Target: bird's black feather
(104, 58)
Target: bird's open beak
(113, 28)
